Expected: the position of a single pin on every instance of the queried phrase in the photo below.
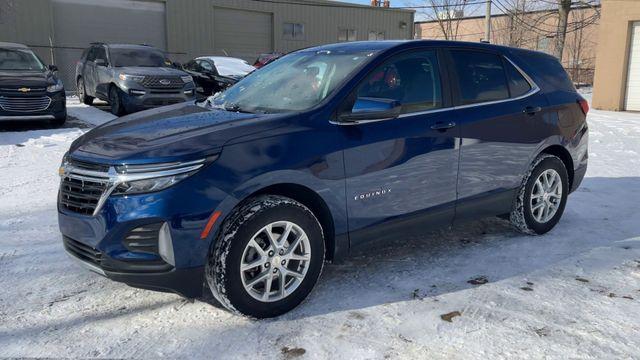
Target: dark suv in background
(29, 90)
(131, 78)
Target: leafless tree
(447, 13)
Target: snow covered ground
(573, 293)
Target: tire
(529, 216)
(82, 93)
(115, 102)
(249, 225)
(59, 121)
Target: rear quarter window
(546, 71)
(518, 85)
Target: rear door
(401, 173)
(501, 114)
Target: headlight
(55, 87)
(186, 79)
(138, 179)
(125, 77)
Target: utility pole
(487, 23)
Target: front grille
(24, 103)
(19, 90)
(82, 251)
(81, 193)
(162, 82)
(143, 239)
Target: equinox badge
(371, 194)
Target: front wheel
(115, 101)
(268, 257)
(542, 196)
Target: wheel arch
(311, 200)
(565, 156)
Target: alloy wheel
(546, 196)
(275, 261)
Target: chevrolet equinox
(248, 193)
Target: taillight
(584, 105)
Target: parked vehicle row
(28, 88)
(317, 155)
(129, 78)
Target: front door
(401, 173)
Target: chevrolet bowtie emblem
(24, 90)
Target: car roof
(214, 58)
(129, 46)
(382, 45)
(13, 45)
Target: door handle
(442, 125)
(531, 110)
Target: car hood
(143, 70)
(26, 78)
(170, 133)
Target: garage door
(632, 101)
(77, 23)
(241, 33)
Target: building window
(346, 35)
(293, 31)
(376, 35)
(544, 44)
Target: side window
(413, 79)
(518, 85)
(481, 76)
(100, 54)
(205, 65)
(92, 54)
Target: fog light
(137, 92)
(165, 245)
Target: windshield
(231, 66)
(138, 57)
(19, 59)
(296, 82)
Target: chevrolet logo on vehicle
(24, 90)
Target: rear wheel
(542, 196)
(82, 93)
(115, 101)
(268, 257)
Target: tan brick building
(617, 80)
(531, 30)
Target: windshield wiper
(235, 108)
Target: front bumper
(186, 282)
(56, 110)
(137, 98)
(103, 242)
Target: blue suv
(319, 154)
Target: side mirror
(177, 65)
(52, 68)
(100, 62)
(368, 109)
